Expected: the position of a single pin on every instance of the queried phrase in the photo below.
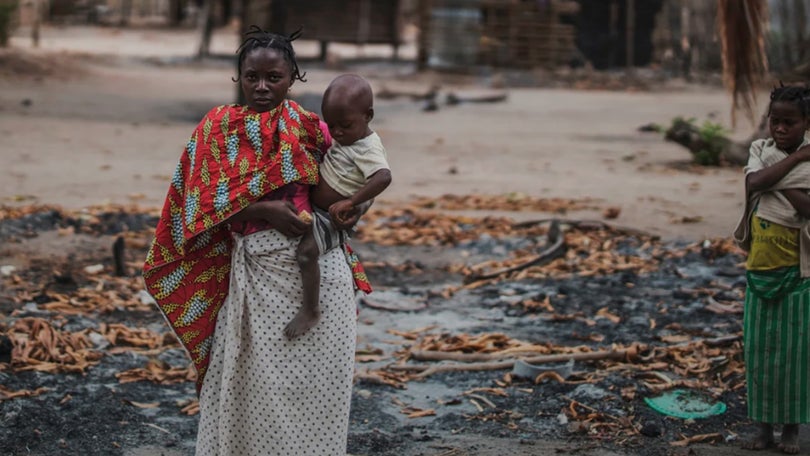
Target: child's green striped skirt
(776, 340)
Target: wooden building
(500, 33)
(342, 21)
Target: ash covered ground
(120, 385)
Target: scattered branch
(426, 370)
(555, 247)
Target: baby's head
(347, 108)
(789, 116)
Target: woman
(223, 270)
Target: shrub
(707, 142)
(713, 138)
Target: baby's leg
(308, 315)
(789, 443)
(763, 439)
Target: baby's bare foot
(764, 438)
(790, 439)
(303, 321)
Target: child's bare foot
(764, 438)
(790, 439)
(302, 322)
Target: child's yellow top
(773, 246)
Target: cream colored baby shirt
(346, 168)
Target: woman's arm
(799, 199)
(766, 178)
(281, 215)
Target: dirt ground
(108, 126)
(99, 116)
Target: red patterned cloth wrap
(234, 157)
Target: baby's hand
(340, 210)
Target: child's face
(787, 125)
(346, 124)
(266, 78)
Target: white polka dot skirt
(266, 395)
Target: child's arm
(766, 178)
(375, 185)
(799, 199)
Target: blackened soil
(95, 414)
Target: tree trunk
(801, 24)
(424, 40)
(686, 43)
(784, 12)
(36, 25)
(226, 6)
(126, 12)
(245, 18)
(613, 31)
(206, 28)
(630, 35)
(175, 12)
(732, 152)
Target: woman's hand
(281, 215)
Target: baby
(353, 173)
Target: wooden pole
(424, 9)
(613, 31)
(396, 27)
(175, 12)
(686, 44)
(245, 17)
(784, 19)
(801, 25)
(126, 12)
(205, 28)
(631, 35)
(36, 24)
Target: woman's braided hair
(258, 38)
(797, 94)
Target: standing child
(353, 173)
(775, 233)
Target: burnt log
(731, 152)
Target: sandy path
(114, 134)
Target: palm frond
(741, 26)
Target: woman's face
(787, 125)
(266, 78)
